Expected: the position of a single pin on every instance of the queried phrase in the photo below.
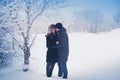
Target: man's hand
(57, 42)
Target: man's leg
(49, 69)
(60, 70)
(64, 69)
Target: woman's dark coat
(63, 46)
(52, 55)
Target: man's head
(58, 26)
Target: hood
(62, 30)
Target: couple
(58, 50)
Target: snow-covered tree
(88, 20)
(7, 16)
(19, 17)
(116, 19)
(32, 10)
(5, 50)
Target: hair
(49, 30)
(52, 26)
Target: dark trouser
(49, 69)
(62, 69)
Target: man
(63, 50)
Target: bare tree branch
(18, 44)
(13, 38)
(33, 41)
(22, 33)
(43, 8)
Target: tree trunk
(26, 44)
(26, 55)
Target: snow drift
(92, 57)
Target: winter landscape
(92, 57)
(93, 28)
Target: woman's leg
(49, 69)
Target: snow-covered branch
(42, 10)
(13, 38)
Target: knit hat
(59, 25)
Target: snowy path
(92, 57)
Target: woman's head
(52, 28)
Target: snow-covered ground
(92, 57)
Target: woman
(52, 56)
